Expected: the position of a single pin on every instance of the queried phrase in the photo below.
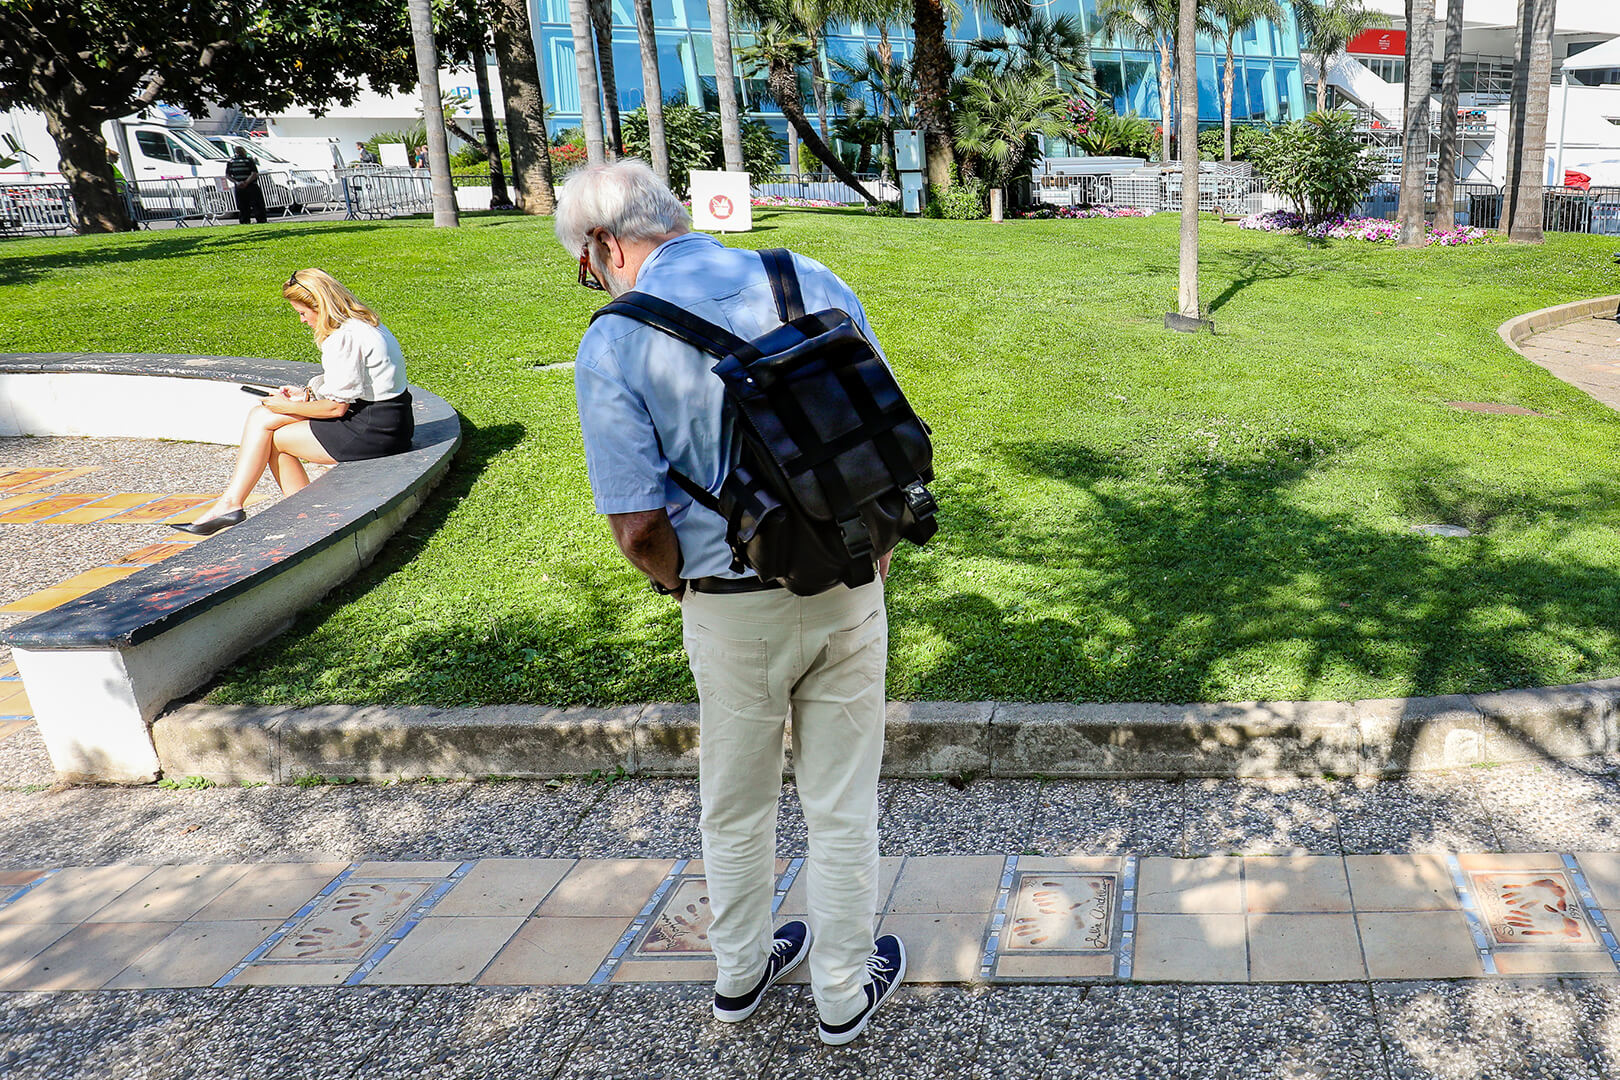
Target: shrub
(1247, 141)
(1317, 165)
(1107, 134)
(964, 200)
(692, 137)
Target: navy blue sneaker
(789, 946)
(886, 966)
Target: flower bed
(1047, 212)
(1373, 230)
(779, 201)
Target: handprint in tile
(1063, 912)
(348, 923)
(683, 924)
(1536, 907)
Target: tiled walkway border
(1254, 919)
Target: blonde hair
(326, 296)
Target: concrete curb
(1517, 329)
(1012, 740)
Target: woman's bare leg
(251, 459)
(290, 443)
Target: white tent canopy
(1597, 58)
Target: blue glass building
(1268, 83)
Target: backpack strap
(784, 283)
(676, 322)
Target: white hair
(626, 198)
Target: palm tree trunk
(1522, 215)
(725, 84)
(1415, 122)
(886, 54)
(933, 66)
(793, 149)
(498, 198)
(652, 89)
(445, 214)
(818, 83)
(602, 24)
(783, 81)
(590, 93)
(1445, 189)
(525, 108)
(1226, 100)
(1167, 91)
(1321, 82)
(1187, 68)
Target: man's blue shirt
(632, 381)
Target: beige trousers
(759, 658)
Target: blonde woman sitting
(356, 408)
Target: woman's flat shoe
(212, 525)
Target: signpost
(721, 201)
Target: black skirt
(370, 429)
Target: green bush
(1248, 140)
(965, 200)
(692, 138)
(1317, 164)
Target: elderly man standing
(650, 409)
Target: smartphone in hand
(255, 391)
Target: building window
(1388, 68)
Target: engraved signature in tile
(682, 924)
(1533, 907)
(1063, 912)
(348, 923)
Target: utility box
(911, 192)
(908, 151)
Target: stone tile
(939, 948)
(1306, 1032)
(1139, 817)
(1602, 872)
(75, 894)
(170, 894)
(924, 817)
(639, 819)
(680, 925)
(1263, 817)
(460, 1032)
(1039, 966)
(922, 1033)
(498, 887)
(301, 1033)
(445, 950)
(86, 957)
(1191, 948)
(947, 883)
(689, 969)
(1418, 945)
(13, 878)
(350, 921)
(1401, 883)
(1190, 885)
(195, 954)
(606, 887)
(1511, 861)
(1554, 962)
(405, 869)
(555, 951)
(274, 891)
(332, 974)
(1063, 910)
(1551, 806)
(797, 900)
(1295, 883)
(1320, 947)
(1423, 813)
(1482, 1030)
(21, 942)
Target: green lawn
(1127, 514)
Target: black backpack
(833, 459)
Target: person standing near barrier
(243, 172)
(653, 417)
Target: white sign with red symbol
(721, 202)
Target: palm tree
(934, 66)
(1415, 122)
(881, 13)
(590, 93)
(652, 89)
(1328, 27)
(778, 52)
(725, 84)
(445, 214)
(1059, 45)
(1154, 24)
(1187, 62)
(1237, 17)
(1001, 115)
(890, 85)
(1525, 200)
(525, 107)
(498, 198)
(602, 24)
(1445, 190)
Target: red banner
(1378, 43)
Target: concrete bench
(100, 668)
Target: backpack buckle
(919, 499)
(857, 537)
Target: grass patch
(1128, 514)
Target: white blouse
(360, 362)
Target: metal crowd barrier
(35, 209)
(373, 191)
(812, 186)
